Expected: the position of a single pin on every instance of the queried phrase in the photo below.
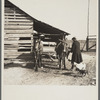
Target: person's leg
(36, 62)
(39, 60)
(73, 68)
(72, 65)
(63, 59)
(59, 61)
(68, 54)
(41, 64)
(72, 61)
(34, 56)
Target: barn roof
(42, 27)
(46, 28)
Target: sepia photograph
(50, 42)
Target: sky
(67, 15)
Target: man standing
(76, 52)
(59, 50)
(39, 49)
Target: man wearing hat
(76, 52)
(39, 51)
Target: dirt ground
(14, 74)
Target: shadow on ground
(73, 74)
(30, 66)
(26, 60)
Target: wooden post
(87, 43)
(87, 40)
(32, 42)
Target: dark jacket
(76, 53)
(59, 48)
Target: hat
(41, 35)
(74, 38)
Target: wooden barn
(19, 29)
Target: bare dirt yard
(14, 74)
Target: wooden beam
(92, 38)
(17, 35)
(52, 34)
(9, 11)
(17, 27)
(13, 14)
(15, 52)
(19, 23)
(87, 44)
(20, 41)
(17, 17)
(92, 46)
(8, 8)
(16, 48)
(18, 20)
(19, 31)
(11, 39)
(92, 35)
(10, 51)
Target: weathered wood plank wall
(18, 29)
